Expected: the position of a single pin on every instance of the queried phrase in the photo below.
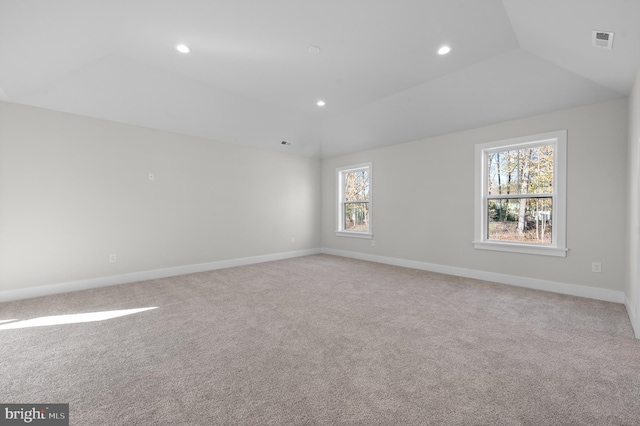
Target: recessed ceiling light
(444, 50)
(183, 48)
(314, 50)
(320, 103)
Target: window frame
(558, 246)
(340, 173)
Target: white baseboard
(556, 287)
(532, 283)
(46, 290)
(633, 317)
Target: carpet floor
(324, 340)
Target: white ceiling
(251, 80)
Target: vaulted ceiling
(250, 77)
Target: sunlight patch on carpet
(71, 318)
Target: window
(520, 200)
(354, 201)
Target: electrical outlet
(293, 240)
(596, 267)
(373, 243)
(152, 177)
(112, 258)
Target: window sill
(521, 248)
(362, 235)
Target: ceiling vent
(602, 39)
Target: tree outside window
(354, 201)
(522, 182)
(521, 194)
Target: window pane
(356, 217)
(521, 171)
(526, 220)
(356, 186)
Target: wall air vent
(602, 39)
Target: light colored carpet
(326, 340)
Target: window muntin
(521, 195)
(354, 201)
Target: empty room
(301, 212)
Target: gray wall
(632, 288)
(74, 190)
(423, 195)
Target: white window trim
(340, 171)
(558, 246)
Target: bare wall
(74, 190)
(423, 199)
(632, 289)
